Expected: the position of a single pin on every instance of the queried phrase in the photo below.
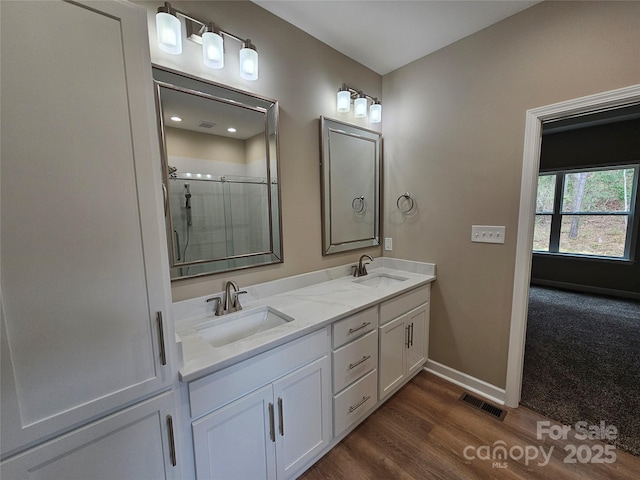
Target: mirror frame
(164, 77)
(328, 125)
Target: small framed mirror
(220, 166)
(350, 174)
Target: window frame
(557, 214)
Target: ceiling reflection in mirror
(222, 199)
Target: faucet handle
(218, 306)
(236, 300)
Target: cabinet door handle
(172, 441)
(408, 336)
(411, 341)
(364, 324)
(359, 404)
(281, 418)
(163, 352)
(364, 359)
(165, 198)
(272, 429)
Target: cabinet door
(418, 324)
(393, 347)
(303, 401)
(83, 267)
(131, 444)
(234, 442)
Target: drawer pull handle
(365, 324)
(360, 403)
(364, 359)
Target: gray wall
(453, 134)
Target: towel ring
(358, 204)
(408, 200)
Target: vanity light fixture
(207, 34)
(360, 102)
(344, 99)
(169, 30)
(248, 61)
(375, 112)
(360, 106)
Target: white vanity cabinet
(355, 361)
(278, 420)
(85, 285)
(404, 338)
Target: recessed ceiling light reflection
(231, 130)
(176, 118)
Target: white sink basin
(232, 327)
(380, 280)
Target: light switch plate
(388, 244)
(487, 234)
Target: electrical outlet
(487, 234)
(388, 244)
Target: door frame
(530, 168)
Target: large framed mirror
(220, 165)
(350, 173)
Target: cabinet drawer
(403, 303)
(354, 326)
(354, 402)
(224, 386)
(354, 360)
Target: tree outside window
(586, 212)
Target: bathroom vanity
(269, 402)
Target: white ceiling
(385, 35)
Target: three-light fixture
(360, 102)
(209, 35)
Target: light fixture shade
(343, 103)
(360, 107)
(212, 50)
(169, 32)
(248, 61)
(375, 113)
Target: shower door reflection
(221, 217)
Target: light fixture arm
(356, 93)
(195, 34)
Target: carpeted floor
(582, 361)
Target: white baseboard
(474, 385)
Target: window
(586, 212)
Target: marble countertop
(313, 300)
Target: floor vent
(475, 402)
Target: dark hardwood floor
(424, 431)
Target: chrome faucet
(231, 300)
(361, 269)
